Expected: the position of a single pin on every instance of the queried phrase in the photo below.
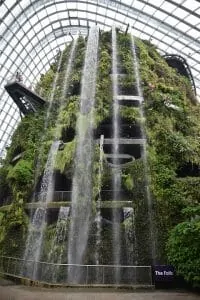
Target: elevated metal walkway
(180, 64)
(25, 99)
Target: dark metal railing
(58, 196)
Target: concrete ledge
(104, 204)
(129, 97)
(29, 282)
(124, 141)
(35, 205)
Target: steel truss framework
(32, 31)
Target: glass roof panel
(171, 20)
(138, 4)
(180, 12)
(183, 27)
(167, 6)
(151, 10)
(10, 3)
(191, 4)
(71, 5)
(33, 29)
(193, 32)
(160, 15)
(191, 19)
(3, 9)
(15, 10)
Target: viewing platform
(26, 100)
(180, 64)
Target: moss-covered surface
(171, 126)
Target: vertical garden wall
(171, 126)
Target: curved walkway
(9, 291)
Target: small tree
(183, 247)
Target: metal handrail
(76, 265)
(137, 275)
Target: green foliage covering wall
(171, 127)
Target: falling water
(38, 224)
(51, 100)
(57, 250)
(116, 178)
(129, 232)
(65, 87)
(98, 206)
(58, 247)
(147, 179)
(61, 225)
(55, 81)
(82, 179)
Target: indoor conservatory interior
(99, 141)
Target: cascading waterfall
(130, 235)
(98, 206)
(55, 81)
(148, 194)
(52, 95)
(65, 87)
(82, 179)
(38, 224)
(58, 244)
(116, 177)
(56, 253)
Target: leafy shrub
(183, 248)
(21, 174)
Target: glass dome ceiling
(32, 31)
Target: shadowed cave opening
(127, 90)
(62, 182)
(188, 169)
(107, 214)
(133, 150)
(127, 130)
(68, 134)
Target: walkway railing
(58, 196)
(88, 274)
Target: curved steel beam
(114, 8)
(43, 47)
(124, 13)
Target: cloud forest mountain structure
(163, 121)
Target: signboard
(163, 273)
